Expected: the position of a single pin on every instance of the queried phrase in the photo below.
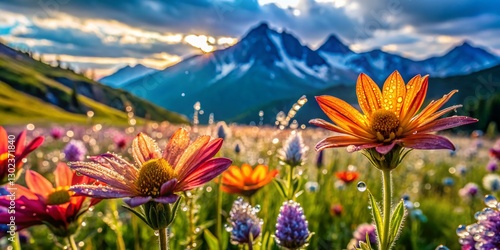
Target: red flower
(347, 176)
(336, 209)
(41, 203)
(12, 152)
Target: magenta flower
(156, 176)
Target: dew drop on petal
(461, 231)
(490, 201)
(361, 186)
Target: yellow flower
(390, 117)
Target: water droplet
(228, 227)
(462, 231)
(256, 208)
(442, 247)
(400, 99)
(490, 201)
(157, 233)
(361, 186)
(369, 207)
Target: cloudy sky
(106, 34)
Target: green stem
(71, 242)
(120, 243)
(135, 229)
(387, 182)
(219, 214)
(163, 239)
(16, 244)
(192, 236)
(290, 182)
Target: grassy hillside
(70, 92)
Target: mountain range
(267, 67)
(126, 74)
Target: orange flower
(389, 118)
(347, 176)
(245, 180)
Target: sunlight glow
(205, 43)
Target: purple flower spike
(245, 226)
(291, 228)
(485, 233)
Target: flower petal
(3, 140)
(369, 95)
(204, 173)
(20, 142)
(385, 148)
(259, 173)
(144, 148)
(434, 116)
(416, 90)
(326, 125)
(446, 123)
(34, 144)
(168, 187)
(393, 93)
(176, 146)
(344, 115)
(103, 192)
(342, 141)
(430, 109)
(63, 175)
(38, 184)
(104, 174)
(137, 200)
(207, 151)
(427, 141)
(118, 164)
(167, 199)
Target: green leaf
(363, 246)
(377, 217)
(368, 241)
(265, 241)
(212, 242)
(137, 213)
(174, 209)
(281, 186)
(396, 221)
(225, 239)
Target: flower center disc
(152, 175)
(386, 125)
(58, 197)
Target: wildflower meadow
(377, 177)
